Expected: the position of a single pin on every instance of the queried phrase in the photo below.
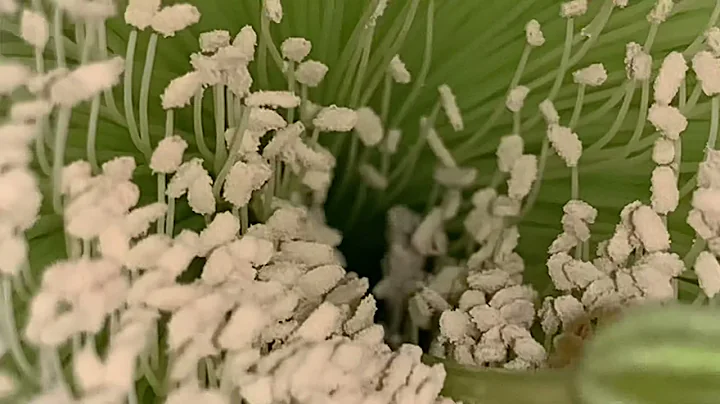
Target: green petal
(655, 355)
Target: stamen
(348, 59)
(424, 68)
(35, 30)
(364, 57)
(438, 148)
(383, 55)
(273, 12)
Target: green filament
(388, 52)
(577, 110)
(90, 146)
(58, 37)
(128, 97)
(10, 334)
(61, 133)
(220, 150)
(419, 82)
(145, 90)
(198, 127)
(235, 145)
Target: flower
(173, 175)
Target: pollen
(451, 108)
(34, 29)
(534, 34)
(398, 71)
(171, 19)
(296, 49)
(516, 98)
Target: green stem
(385, 53)
(350, 166)
(265, 46)
(58, 37)
(577, 110)
(535, 191)
(198, 127)
(145, 90)
(344, 62)
(574, 183)
(128, 95)
(619, 119)
(40, 151)
(386, 98)
(61, 133)
(358, 203)
(230, 108)
(362, 69)
(170, 217)
(642, 115)
(291, 88)
(107, 94)
(10, 334)
(501, 103)
(711, 142)
(419, 83)
(232, 158)
(564, 62)
(220, 148)
(92, 134)
(244, 219)
(409, 158)
(161, 177)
